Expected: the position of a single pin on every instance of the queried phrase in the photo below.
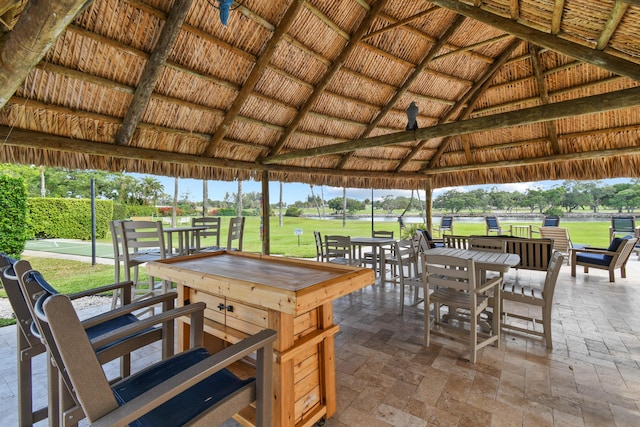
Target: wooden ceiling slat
(333, 70)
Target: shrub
(119, 211)
(14, 219)
(293, 211)
(139, 210)
(68, 218)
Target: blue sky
(293, 192)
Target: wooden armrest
(194, 309)
(601, 251)
(170, 388)
(129, 308)
(89, 292)
(489, 284)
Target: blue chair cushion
(111, 325)
(597, 259)
(615, 244)
(188, 404)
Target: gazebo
(318, 91)
(369, 94)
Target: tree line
(148, 191)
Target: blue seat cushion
(615, 244)
(113, 324)
(188, 404)
(597, 259)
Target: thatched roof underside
(316, 91)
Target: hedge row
(68, 218)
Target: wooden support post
(428, 201)
(266, 229)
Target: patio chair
(615, 256)
(548, 221)
(533, 295)
(320, 253)
(622, 226)
(451, 282)
(408, 271)
(143, 241)
(192, 387)
(213, 231)
(431, 242)
(338, 250)
(493, 226)
(235, 234)
(446, 225)
(561, 240)
(23, 285)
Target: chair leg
(546, 324)
(612, 276)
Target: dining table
(246, 293)
(377, 245)
(484, 261)
(184, 237)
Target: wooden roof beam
(555, 158)
(544, 96)
(574, 50)
(575, 107)
(38, 27)
(402, 90)
(258, 69)
(331, 72)
(619, 9)
(152, 69)
(38, 140)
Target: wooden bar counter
(246, 293)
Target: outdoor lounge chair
(493, 226)
(615, 256)
(192, 387)
(622, 226)
(548, 221)
(446, 225)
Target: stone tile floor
(385, 377)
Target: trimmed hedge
(14, 219)
(139, 210)
(68, 218)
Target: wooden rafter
(22, 48)
(597, 58)
(514, 9)
(257, 71)
(555, 158)
(474, 46)
(468, 101)
(152, 70)
(575, 107)
(331, 72)
(556, 16)
(402, 90)
(544, 95)
(619, 9)
(401, 23)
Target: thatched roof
(316, 91)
